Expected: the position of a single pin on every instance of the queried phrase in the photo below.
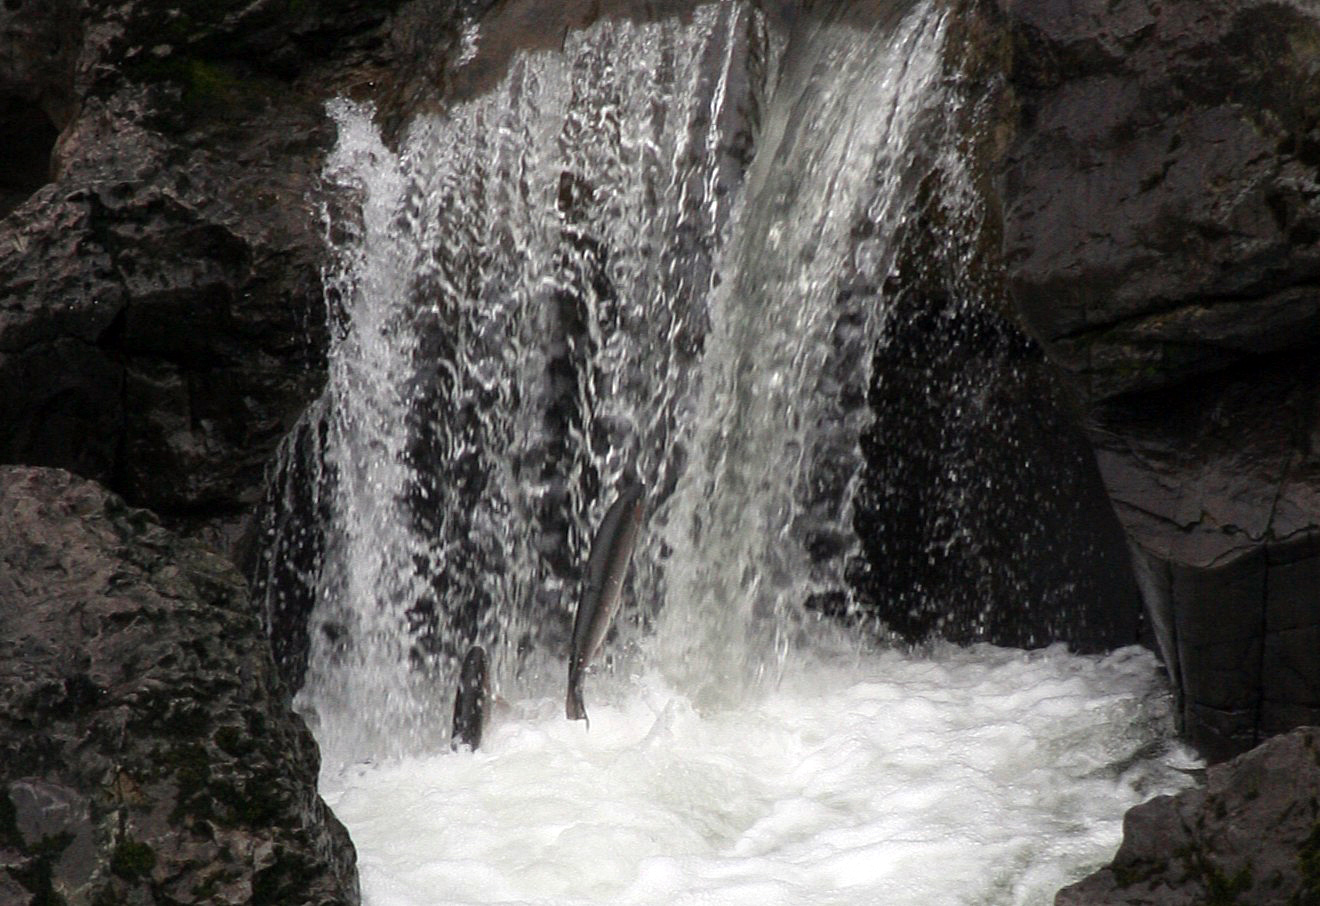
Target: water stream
(631, 258)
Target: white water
(980, 776)
(588, 223)
(570, 220)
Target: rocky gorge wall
(1161, 211)
(1249, 837)
(148, 753)
(161, 314)
(161, 328)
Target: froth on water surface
(960, 776)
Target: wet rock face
(161, 322)
(1162, 204)
(980, 514)
(147, 750)
(1161, 200)
(1250, 837)
(1219, 488)
(972, 533)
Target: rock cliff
(1161, 215)
(161, 328)
(148, 753)
(1250, 837)
(161, 320)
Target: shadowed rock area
(1250, 837)
(1161, 200)
(981, 513)
(147, 750)
(161, 314)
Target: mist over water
(587, 275)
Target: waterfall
(638, 255)
(586, 273)
(667, 250)
(659, 251)
(783, 377)
(520, 298)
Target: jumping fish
(472, 701)
(611, 551)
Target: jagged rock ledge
(1161, 208)
(148, 753)
(1250, 837)
(161, 309)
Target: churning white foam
(959, 776)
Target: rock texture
(1250, 837)
(1161, 197)
(981, 515)
(147, 750)
(161, 322)
(1162, 200)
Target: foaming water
(959, 776)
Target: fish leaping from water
(611, 551)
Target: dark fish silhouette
(472, 701)
(611, 552)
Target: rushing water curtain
(634, 257)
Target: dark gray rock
(981, 515)
(1161, 217)
(161, 314)
(1250, 837)
(147, 750)
(38, 47)
(1220, 492)
(1162, 199)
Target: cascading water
(585, 275)
(775, 438)
(524, 296)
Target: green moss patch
(132, 860)
(1308, 865)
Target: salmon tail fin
(574, 707)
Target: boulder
(148, 753)
(1250, 837)
(1161, 218)
(1219, 489)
